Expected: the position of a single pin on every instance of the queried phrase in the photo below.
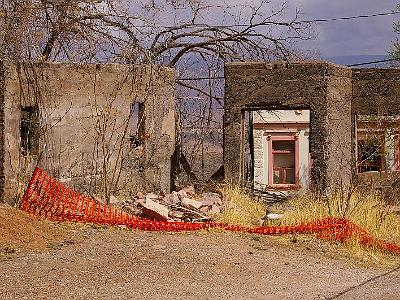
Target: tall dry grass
(239, 208)
(366, 210)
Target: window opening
(29, 130)
(370, 154)
(376, 149)
(137, 124)
(280, 140)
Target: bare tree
(146, 31)
(194, 36)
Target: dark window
(283, 153)
(137, 124)
(30, 130)
(370, 154)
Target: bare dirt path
(120, 264)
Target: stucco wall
(340, 127)
(376, 91)
(85, 125)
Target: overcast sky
(372, 36)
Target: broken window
(137, 125)
(370, 155)
(376, 147)
(29, 130)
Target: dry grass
(367, 211)
(239, 208)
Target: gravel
(122, 264)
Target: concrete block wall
(85, 122)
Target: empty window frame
(137, 119)
(283, 161)
(29, 130)
(370, 155)
(377, 143)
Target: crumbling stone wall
(323, 88)
(85, 125)
(376, 92)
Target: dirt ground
(99, 263)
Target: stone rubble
(184, 205)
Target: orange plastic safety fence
(47, 198)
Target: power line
(350, 18)
(201, 78)
(374, 62)
(286, 23)
(318, 20)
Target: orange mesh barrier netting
(47, 198)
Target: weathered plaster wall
(376, 91)
(85, 124)
(339, 124)
(304, 85)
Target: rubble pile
(183, 205)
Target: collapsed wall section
(103, 129)
(376, 105)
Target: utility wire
(349, 18)
(316, 20)
(374, 62)
(352, 65)
(200, 78)
(283, 23)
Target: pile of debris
(182, 206)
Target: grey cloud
(354, 37)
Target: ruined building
(309, 124)
(106, 129)
(110, 129)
